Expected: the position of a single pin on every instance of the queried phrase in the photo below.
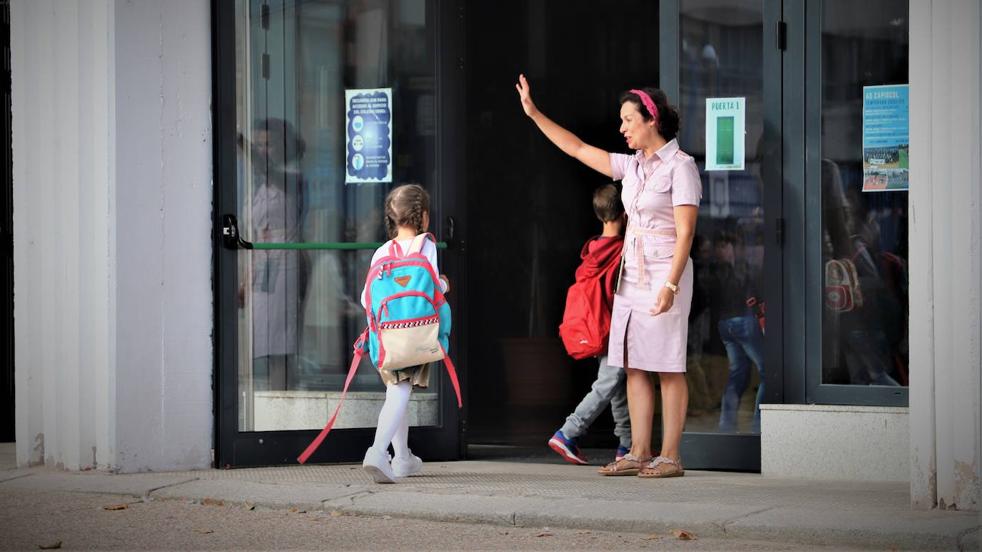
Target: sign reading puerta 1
(368, 135)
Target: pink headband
(648, 103)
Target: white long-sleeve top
(428, 251)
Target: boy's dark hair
(607, 203)
(404, 206)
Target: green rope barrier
(327, 246)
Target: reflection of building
(123, 320)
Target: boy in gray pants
(597, 273)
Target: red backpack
(586, 320)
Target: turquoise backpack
(408, 320)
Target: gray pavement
(723, 507)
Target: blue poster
(886, 138)
(368, 135)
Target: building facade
(197, 190)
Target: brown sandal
(628, 465)
(660, 467)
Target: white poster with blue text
(368, 135)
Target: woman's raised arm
(593, 157)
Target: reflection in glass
(299, 309)
(721, 57)
(864, 234)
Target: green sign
(725, 133)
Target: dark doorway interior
(6, 237)
(529, 206)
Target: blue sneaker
(567, 448)
(621, 453)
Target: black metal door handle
(231, 238)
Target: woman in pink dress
(661, 193)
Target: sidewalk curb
(454, 508)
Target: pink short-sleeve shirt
(652, 188)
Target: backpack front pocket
(408, 331)
(406, 343)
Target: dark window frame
(263, 448)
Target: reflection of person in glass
(732, 285)
(700, 396)
(649, 326)
(277, 287)
(864, 313)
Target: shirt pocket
(661, 184)
(656, 247)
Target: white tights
(393, 420)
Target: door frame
(234, 448)
(804, 93)
(7, 415)
(741, 452)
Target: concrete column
(112, 225)
(163, 221)
(945, 285)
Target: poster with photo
(886, 138)
(368, 135)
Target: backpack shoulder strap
(417, 245)
(394, 249)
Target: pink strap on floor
(452, 372)
(359, 352)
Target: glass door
(856, 63)
(727, 82)
(304, 170)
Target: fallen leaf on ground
(213, 502)
(682, 534)
(296, 510)
(50, 546)
(249, 506)
(336, 513)
(544, 534)
(205, 531)
(113, 507)
(652, 536)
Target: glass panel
(299, 310)
(529, 206)
(864, 226)
(722, 58)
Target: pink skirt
(640, 340)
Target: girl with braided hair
(407, 214)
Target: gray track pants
(609, 388)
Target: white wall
(112, 222)
(945, 227)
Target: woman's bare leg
(675, 401)
(641, 406)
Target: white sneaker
(404, 467)
(377, 465)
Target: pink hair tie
(647, 101)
